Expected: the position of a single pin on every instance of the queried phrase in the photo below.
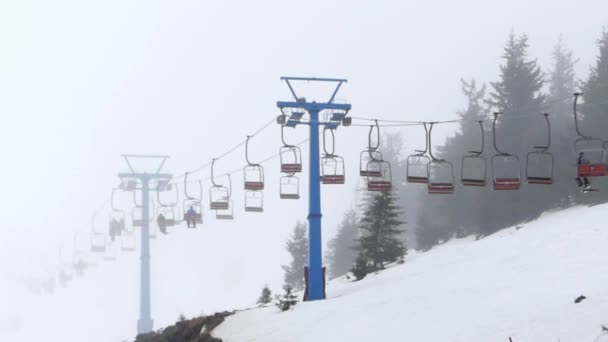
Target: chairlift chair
(473, 168)
(98, 242)
(440, 172)
(290, 155)
(254, 177)
(417, 169)
(137, 218)
(506, 168)
(219, 195)
(128, 241)
(98, 239)
(193, 202)
(66, 270)
(593, 161)
(290, 187)
(253, 174)
(254, 201)
(117, 217)
(332, 165)
(365, 158)
(539, 163)
(332, 170)
(291, 159)
(371, 153)
(441, 177)
(381, 179)
(169, 213)
(225, 214)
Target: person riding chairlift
(583, 182)
(162, 223)
(191, 218)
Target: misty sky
(82, 82)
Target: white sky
(82, 82)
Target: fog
(82, 82)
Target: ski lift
(168, 210)
(506, 170)
(128, 242)
(332, 165)
(440, 172)
(253, 173)
(417, 163)
(219, 195)
(117, 217)
(137, 217)
(473, 170)
(79, 257)
(290, 187)
(379, 177)
(98, 239)
(254, 201)
(66, 271)
(539, 163)
(371, 153)
(590, 152)
(225, 214)
(291, 156)
(193, 202)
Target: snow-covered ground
(518, 283)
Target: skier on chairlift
(191, 218)
(583, 182)
(162, 223)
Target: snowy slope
(516, 283)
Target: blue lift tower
(140, 180)
(335, 115)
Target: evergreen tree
(459, 212)
(595, 90)
(297, 246)
(380, 242)
(361, 267)
(341, 252)
(265, 297)
(518, 95)
(521, 80)
(287, 300)
(595, 111)
(562, 83)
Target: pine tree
(595, 90)
(595, 109)
(518, 95)
(562, 83)
(341, 249)
(459, 211)
(521, 80)
(297, 246)
(380, 242)
(287, 300)
(265, 297)
(361, 267)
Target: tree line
(373, 234)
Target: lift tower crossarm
(314, 79)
